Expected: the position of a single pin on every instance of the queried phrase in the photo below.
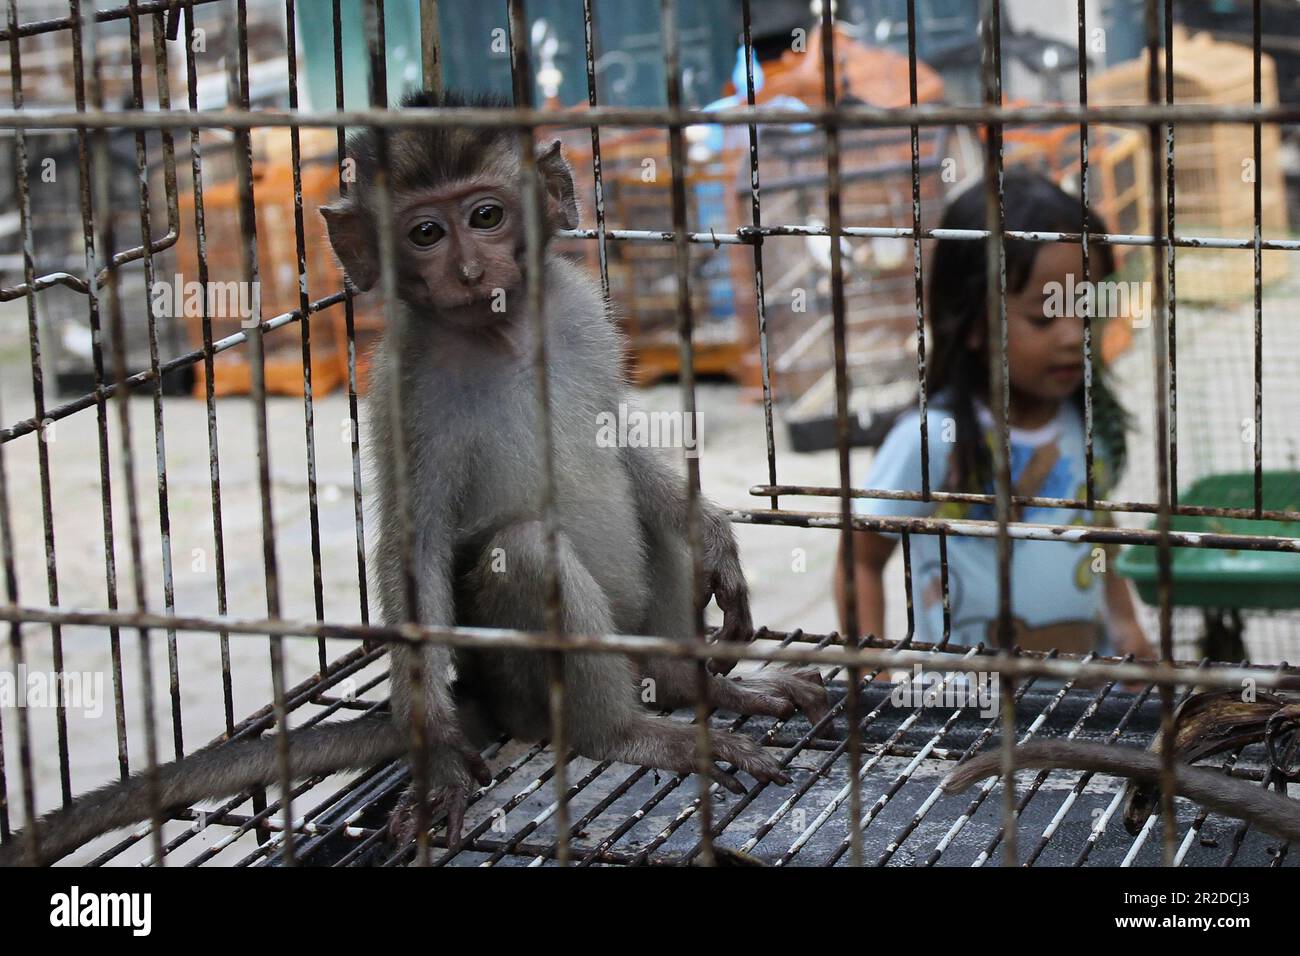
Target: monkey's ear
(557, 178)
(352, 242)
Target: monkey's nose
(470, 273)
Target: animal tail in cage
(222, 770)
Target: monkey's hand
(724, 582)
(454, 767)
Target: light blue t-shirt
(1053, 584)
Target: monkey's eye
(426, 233)
(486, 216)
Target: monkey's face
(459, 251)
(459, 243)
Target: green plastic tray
(1210, 577)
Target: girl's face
(1044, 352)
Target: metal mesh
(865, 790)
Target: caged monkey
(471, 430)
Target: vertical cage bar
(101, 404)
(103, 253)
(597, 170)
(522, 81)
(415, 673)
(686, 329)
(1085, 215)
(1256, 95)
(430, 46)
(28, 781)
(38, 402)
(999, 401)
(835, 225)
(917, 278)
(159, 431)
(350, 329)
(209, 371)
(756, 219)
(1171, 298)
(238, 92)
(1161, 357)
(304, 306)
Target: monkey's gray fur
(472, 431)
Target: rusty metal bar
(101, 405)
(685, 329)
(38, 404)
(970, 497)
(237, 87)
(1085, 214)
(104, 252)
(847, 116)
(350, 330)
(522, 82)
(410, 609)
(304, 306)
(847, 558)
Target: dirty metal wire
(999, 388)
(756, 223)
(103, 249)
(685, 330)
(304, 305)
(409, 608)
(1081, 53)
(93, 122)
(522, 81)
(38, 402)
(160, 444)
(209, 375)
(101, 405)
(349, 320)
(847, 116)
(237, 91)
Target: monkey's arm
(218, 771)
(1269, 811)
(662, 505)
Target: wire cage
(223, 639)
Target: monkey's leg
(772, 692)
(603, 718)
(453, 763)
(663, 509)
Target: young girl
(1063, 594)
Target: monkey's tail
(221, 770)
(1270, 811)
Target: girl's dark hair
(958, 293)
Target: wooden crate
(637, 177)
(1214, 195)
(277, 255)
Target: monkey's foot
(746, 755)
(452, 780)
(447, 802)
(779, 692)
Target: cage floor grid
(623, 815)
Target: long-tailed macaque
(459, 357)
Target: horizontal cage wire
(226, 591)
